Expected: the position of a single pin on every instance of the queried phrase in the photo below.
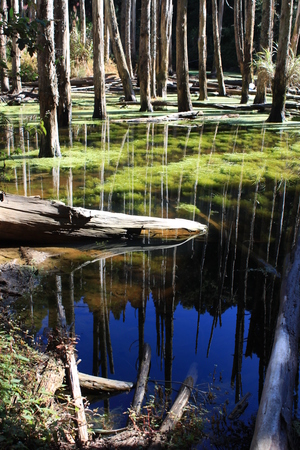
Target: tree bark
(182, 64)
(128, 37)
(133, 33)
(264, 43)
(16, 84)
(296, 31)
(279, 84)
(98, 61)
(164, 46)
(244, 32)
(82, 22)
(273, 421)
(118, 51)
(144, 57)
(202, 50)
(154, 22)
(217, 49)
(62, 54)
(28, 219)
(48, 91)
(4, 80)
(248, 50)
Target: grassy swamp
(210, 301)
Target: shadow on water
(211, 300)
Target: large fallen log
(32, 220)
(92, 383)
(274, 417)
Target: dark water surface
(213, 300)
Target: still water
(211, 301)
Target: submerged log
(274, 417)
(92, 383)
(32, 220)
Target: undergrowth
(27, 420)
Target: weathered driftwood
(142, 379)
(92, 383)
(32, 220)
(273, 421)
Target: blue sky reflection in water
(211, 301)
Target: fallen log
(274, 417)
(72, 372)
(92, 383)
(32, 220)
(142, 380)
(155, 119)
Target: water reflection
(213, 300)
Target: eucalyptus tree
(144, 57)
(4, 80)
(48, 89)
(153, 47)
(265, 43)
(182, 63)
(202, 50)
(118, 51)
(62, 56)
(217, 49)
(244, 18)
(98, 61)
(16, 55)
(166, 14)
(280, 81)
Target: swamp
(209, 301)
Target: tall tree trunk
(16, 56)
(248, 50)
(48, 91)
(118, 51)
(264, 44)
(62, 55)
(123, 21)
(82, 22)
(244, 33)
(128, 37)
(4, 80)
(98, 61)
(144, 58)
(182, 63)
(133, 33)
(106, 40)
(217, 49)
(279, 84)
(296, 31)
(202, 50)
(154, 22)
(165, 36)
